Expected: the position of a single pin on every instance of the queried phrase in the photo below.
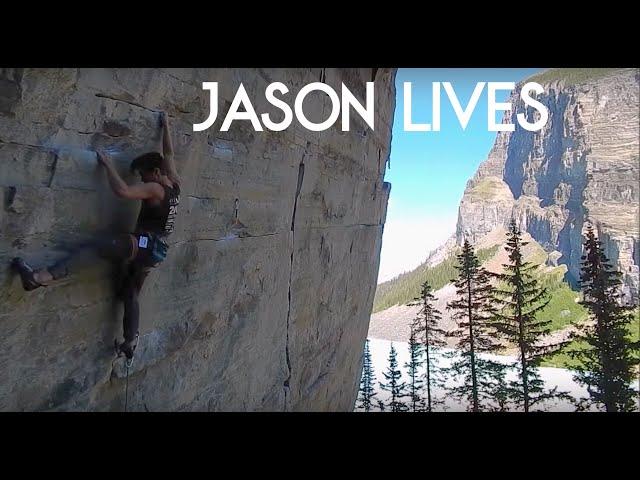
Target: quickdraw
(128, 365)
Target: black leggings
(118, 248)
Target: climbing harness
(155, 248)
(158, 250)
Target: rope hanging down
(126, 389)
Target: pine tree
(428, 323)
(394, 385)
(501, 394)
(415, 387)
(367, 390)
(519, 322)
(608, 360)
(473, 311)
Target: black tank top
(159, 219)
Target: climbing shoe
(127, 349)
(124, 349)
(27, 275)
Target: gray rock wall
(273, 320)
(582, 167)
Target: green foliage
(416, 383)
(407, 286)
(367, 390)
(562, 309)
(571, 75)
(550, 279)
(562, 359)
(535, 254)
(487, 188)
(609, 359)
(394, 385)
(605, 356)
(427, 328)
(473, 311)
(518, 320)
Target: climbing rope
(126, 389)
(128, 362)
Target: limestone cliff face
(273, 319)
(582, 167)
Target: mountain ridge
(581, 168)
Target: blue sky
(429, 170)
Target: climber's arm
(144, 191)
(169, 165)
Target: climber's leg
(114, 247)
(131, 319)
(121, 247)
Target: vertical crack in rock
(54, 165)
(293, 222)
(298, 188)
(9, 197)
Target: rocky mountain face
(583, 166)
(274, 318)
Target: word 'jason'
(241, 100)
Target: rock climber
(141, 250)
